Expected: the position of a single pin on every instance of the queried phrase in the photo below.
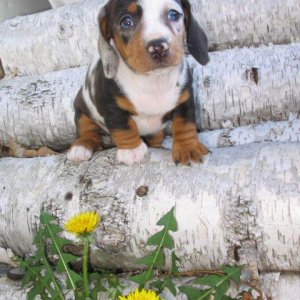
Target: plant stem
(85, 266)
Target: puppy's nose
(158, 48)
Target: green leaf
(210, 280)
(221, 288)
(233, 272)
(142, 278)
(57, 293)
(35, 291)
(156, 259)
(46, 218)
(160, 285)
(167, 240)
(98, 285)
(169, 221)
(170, 286)
(51, 232)
(175, 261)
(195, 294)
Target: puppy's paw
(187, 153)
(131, 156)
(79, 153)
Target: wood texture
(239, 197)
(38, 111)
(67, 36)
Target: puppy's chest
(152, 102)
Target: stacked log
(238, 207)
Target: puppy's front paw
(79, 153)
(184, 154)
(131, 156)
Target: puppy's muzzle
(158, 49)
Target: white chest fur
(152, 95)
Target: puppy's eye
(126, 22)
(174, 15)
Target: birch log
(66, 37)
(38, 110)
(285, 131)
(241, 200)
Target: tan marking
(155, 140)
(186, 146)
(183, 97)
(103, 27)
(126, 105)
(137, 56)
(132, 8)
(88, 133)
(127, 138)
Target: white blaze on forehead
(153, 19)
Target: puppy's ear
(109, 57)
(196, 38)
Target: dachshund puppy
(141, 82)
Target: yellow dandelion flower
(140, 295)
(83, 223)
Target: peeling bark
(242, 200)
(38, 111)
(67, 37)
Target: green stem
(85, 266)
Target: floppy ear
(196, 37)
(109, 57)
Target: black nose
(158, 48)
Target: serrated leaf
(170, 286)
(175, 261)
(140, 279)
(221, 288)
(169, 221)
(156, 259)
(38, 236)
(195, 294)
(162, 237)
(35, 291)
(98, 285)
(72, 279)
(210, 280)
(51, 232)
(46, 218)
(233, 272)
(158, 284)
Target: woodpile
(241, 206)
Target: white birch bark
(230, 91)
(58, 3)
(283, 286)
(67, 36)
(242, 200)
(38, 111)
(285, 131)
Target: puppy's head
(148, 35)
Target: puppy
(141, 82)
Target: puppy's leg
(88, 133)
(186, 146)
(130, 147)
(154, 140)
